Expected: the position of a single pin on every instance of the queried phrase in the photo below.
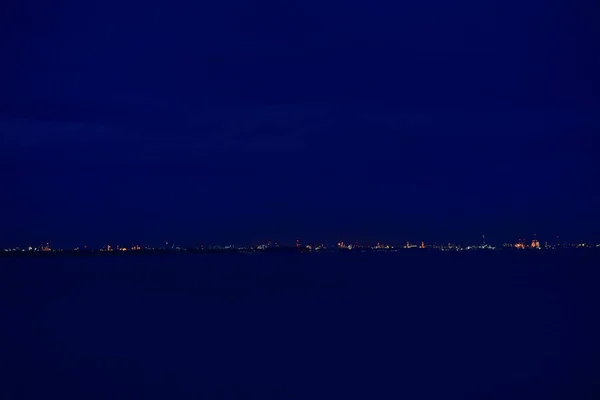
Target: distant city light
(297, 246)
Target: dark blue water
(408, 325)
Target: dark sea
(407, 325)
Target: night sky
(242, 121)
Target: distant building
(535, 244)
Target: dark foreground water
(371, 326)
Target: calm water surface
(407, 325)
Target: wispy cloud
(32, 132)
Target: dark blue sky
(130, 121)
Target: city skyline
(520, 243)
